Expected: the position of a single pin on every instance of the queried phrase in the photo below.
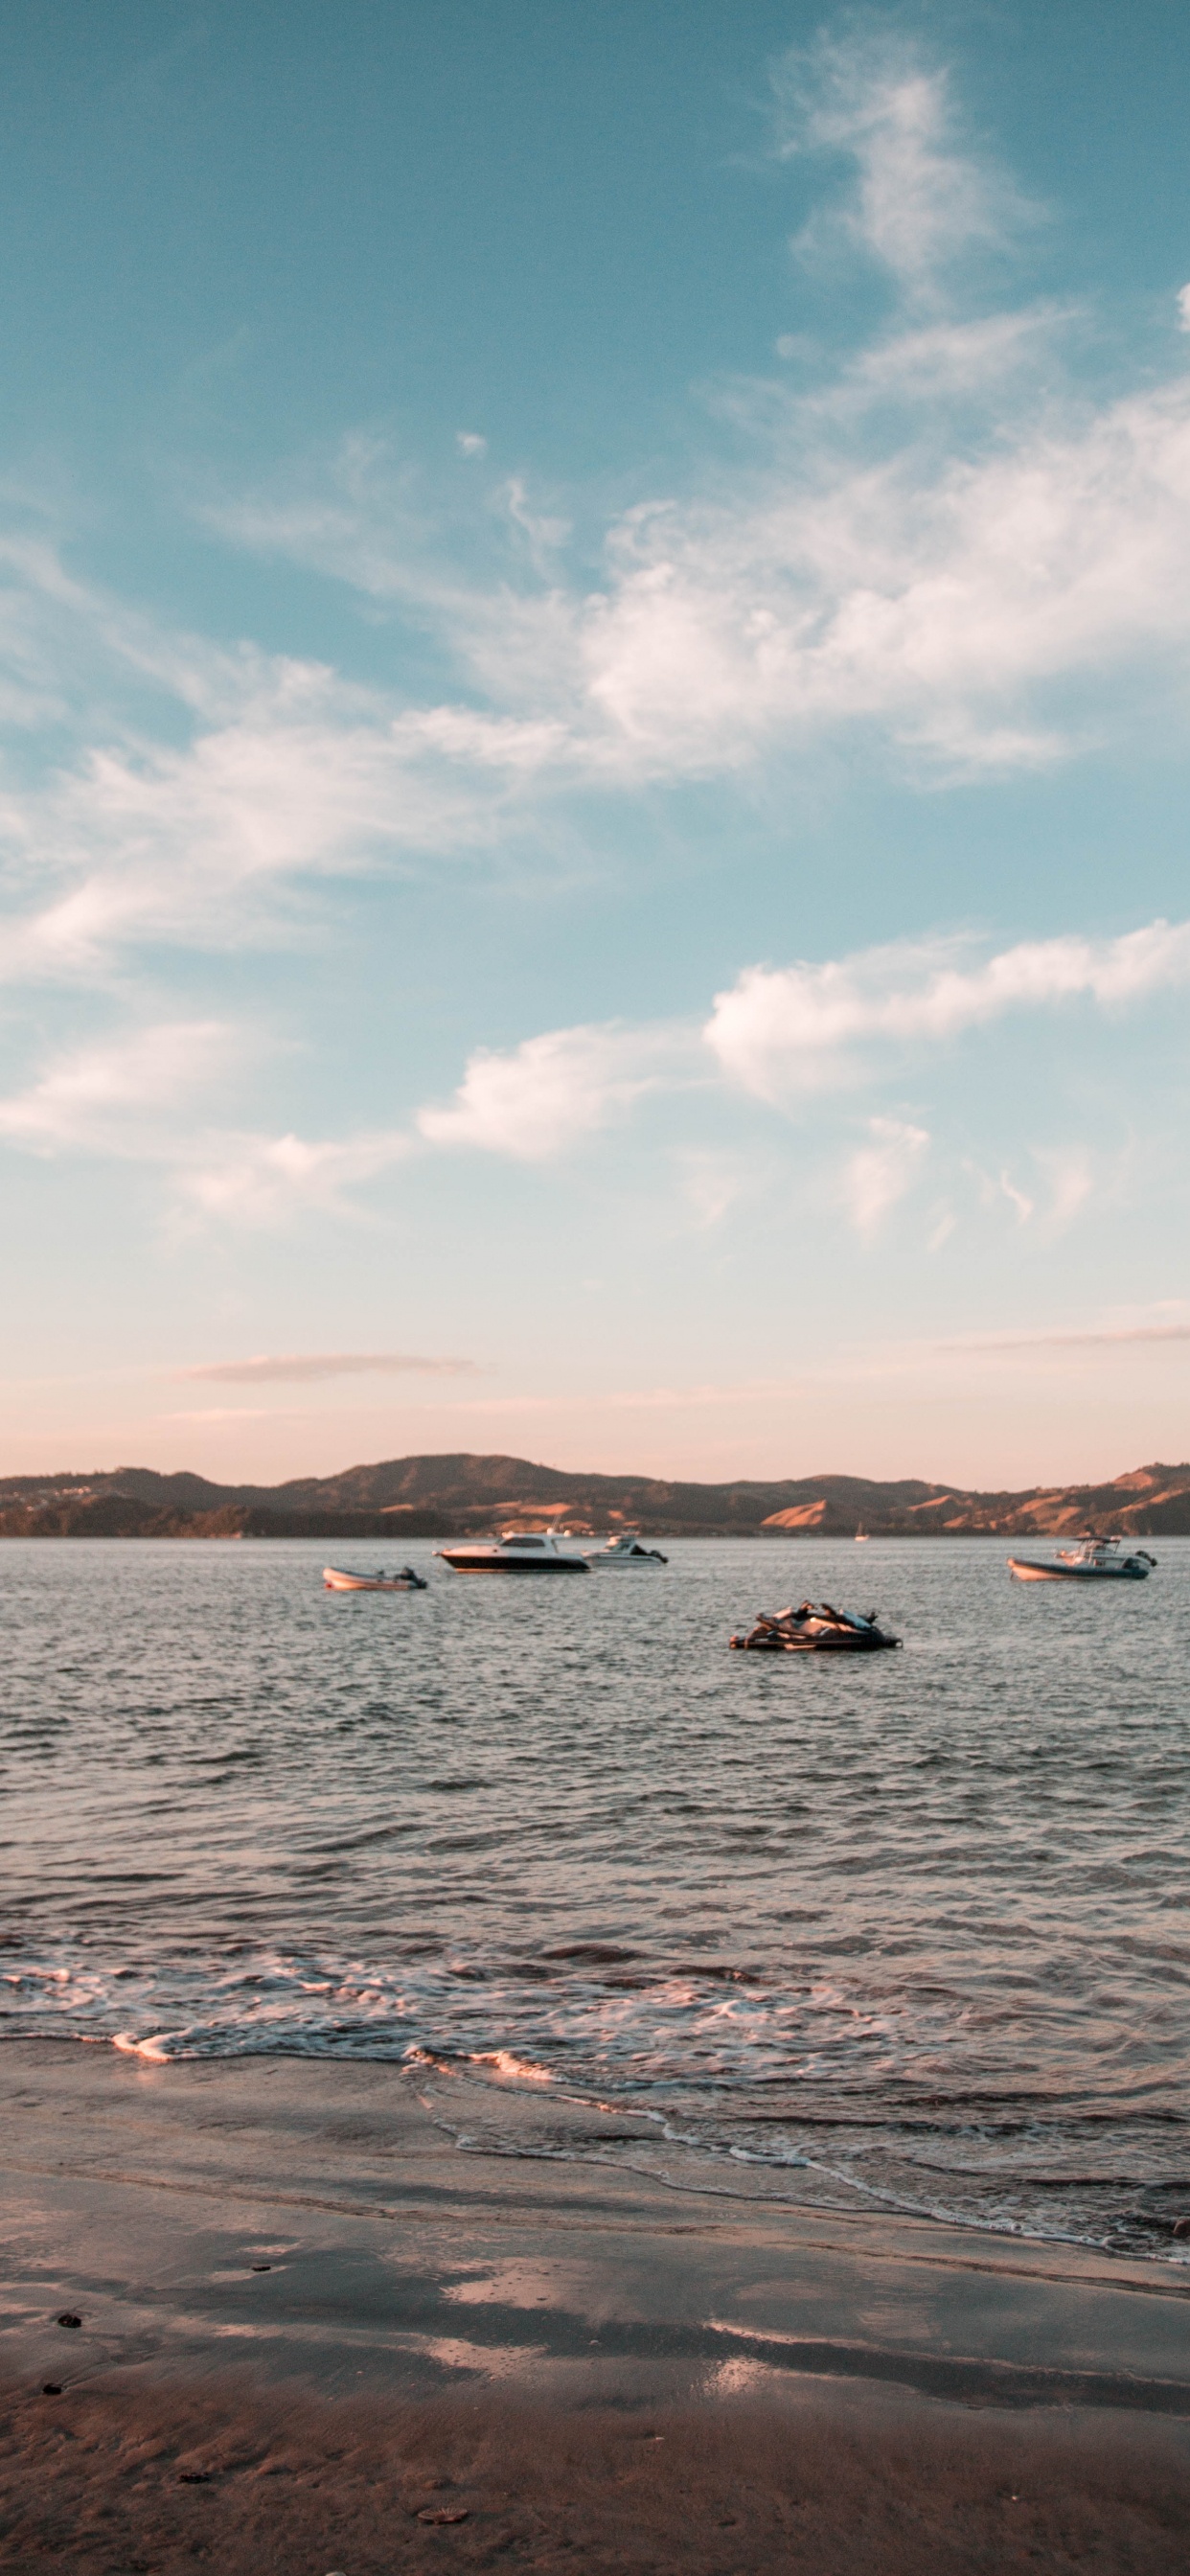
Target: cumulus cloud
(545, 1095)
(783, 1030)
(301, 1369)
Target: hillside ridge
(447, 1495)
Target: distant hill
(442, 1497)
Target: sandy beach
(315, 2333)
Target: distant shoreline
(464, 1494)
(383, 1534)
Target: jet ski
(814, 1629)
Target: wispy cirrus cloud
(942, 538)
(965, 582)
(920, 198)
(304, 1368)
(121, 1097)
(206, 847)
(881, 1172)
(1164, 1323)
(148, 1096)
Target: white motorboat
(626, 1549)
(515, 1552)
(404, 1580)
(1094, 1560)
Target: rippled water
(912, 1926)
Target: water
(907, 1931)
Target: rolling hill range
(440, 1497)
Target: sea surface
(906, 1931)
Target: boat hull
(1029, 1570)
(334, 1581)
(813, 1645)
(631, 1564)
(497, 1564)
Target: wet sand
(309, 2320)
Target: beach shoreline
(278, 2260)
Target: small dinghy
(815, 1629)
(404, 1580)
(1096, 1560)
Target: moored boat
(336, 1579)
(626, 1549)
(515, 1552)
(815, 1628)
(1093, 1560)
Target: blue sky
(594, 649)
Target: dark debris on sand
(118, 2481)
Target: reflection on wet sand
(291, 2274)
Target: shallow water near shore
(908, 1931)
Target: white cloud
(117, 1098)
(922, 199)
(941, 539)
(1070, 1173)
(713, 1182)
(941, 598)
(1184, 308)
(309, 780)
(779, 1031)
(880, 1173)
(145, 1097)
(547, 1094)
(267, 1180)
(1017, 1198)
(543, 534)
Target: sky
(594, 665)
